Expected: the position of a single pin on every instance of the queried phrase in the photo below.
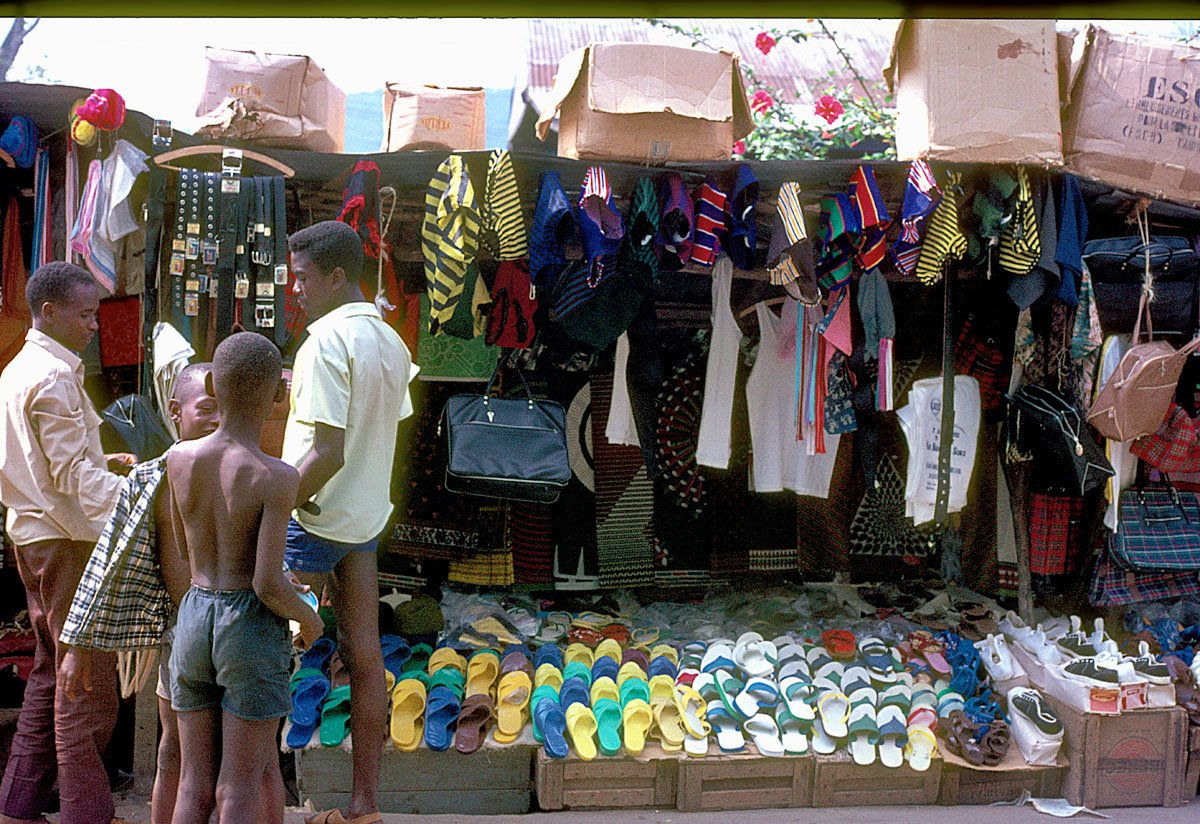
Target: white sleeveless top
(720, 373)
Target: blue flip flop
(574, 691)
(309, 687)
(395, 653)
(548, 654)
(317, 656)
(441, 718)
(552, 723)
(662, 666)
(521, 648)
(605, 667)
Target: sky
(158, 64)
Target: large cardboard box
(1135, 759)
(647, 103)
(976, 91)
(280, 100)
(1133, 117)
(443, 118)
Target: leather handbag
(1158, 530)
(135, 420)
(1117, 266)
(514, 448)
(1046, 426)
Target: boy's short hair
(190, 381)
(246, 371)
(55, 283)
(328, 245)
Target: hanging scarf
(450, 238)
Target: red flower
(761, 101)
(739, 148)
(765, 42)
(829, 108)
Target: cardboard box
(437, 118)
(839, 782)
(1136, 759)
(280, 100)
(965, 783)
(976, 91)
(744, 781)
(647, 103)
(1075, 694)
(647, 782)
(1133, 118)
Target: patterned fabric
(121, 602)
(944, 239)
(486, 569)
(1055, 533)
(510, 321)
(1020, 246)
(679, 432)
(676, 222)
(977, 355)
(1114, 586)
(531, 541)
(446, 356)
(1159, 529)
(501, 220)
(872, 216)
(790, 212)
(449, 237)
(711, 219)
(838, 217)
(600, 226)
(1175, 446)
(880, 527)
(839, 401)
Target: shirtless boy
(230, 504)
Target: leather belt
(279, 269)
(156, 196)
(946, 436)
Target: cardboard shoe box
(1133, 114)
(443, 118)
(976, 91)
(1136, 759)
(647, 103)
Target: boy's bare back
(230, 500)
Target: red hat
(104, 109)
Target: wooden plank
(324, 770)
(744, 783)
(548, 780)
(435, 802)
(839, 782)
(605, 783)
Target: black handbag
(138, 424)
(1118, 267)
(1043, 424)
(514, 448)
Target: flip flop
(793, 731)
(608, 648)
(893, 735)
(605, 688)
(418, 659)
(483, 668)
(548, 674)
(579, 670)
(335, 716)
(580, 653)
(764, 733)
(668, 726)
(924, 644)
(691, 711)
(863, 730)
(443, 657)
(728, 728)
(550, 720)
(309, 688)
(831, 671)
(706, 685)
(754, 656)
(839, 643)
(636, 718)
(415, 675)
(693, 648)
(512, 697)
(795, 693)
(758, 694)
(834, 708)
(554, 627)
(923, 716)
(662, 689)
(796, 668)
(630, 670)
(474, 719)
(408, 708)
(317, 656)
(662, 666)
(608, 716)
(548, 654)
(637, 658)
(395, 653)
(574, 691)
(450, 678)
(582, 729)
(822, 742)
(634, 689)
(920, 748)
(542, 693)
(855, 678)
(791, 652)
(718, 657)
(665, 651)
(515, 660)
(728, 688)
(441, 717)
(605, 667)
(336, 817)
(817, 657)
(687, 677)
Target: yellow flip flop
(609, 648)
(636, 719)
(630, 669)
(666, 651)
(446, 657)
(483, 669)
(512, 701)
(605, 688)
(579, 652)
(668, 726)
(408, 708)
(582, 728)
(692, 711)
(548, 674)
(662, 690)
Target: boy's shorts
(230, 649)
(310, 553)
(163, 690)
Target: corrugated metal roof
(800, 70)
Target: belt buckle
(162, 134)
(264, 315)
(231, 171)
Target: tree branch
(12, 43)
(849, 63)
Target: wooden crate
(962, 785)
(487, 782)
(744, 782)
(1191, 779)
(839, 782)
(606, 783)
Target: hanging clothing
(14, 311)
(1120, 454)
(450, 238)
(1072, 233)
(720, 373)
(620, 428)
(780, 461)
(501, 220)
(921, 422)
(171, 354)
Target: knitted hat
(82, 132)
(104, 109)
(420, 616)
(20, 140)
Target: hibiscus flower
(761, 101)
(765, 42)
(829, 108)
(739, 148)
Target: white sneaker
(1012, 626)
(998, 660)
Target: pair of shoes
(1035, 727)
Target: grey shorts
(163, 690)
(230, 649)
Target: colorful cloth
(740, 241)
(1020, 246)
(1055, 533)
(553, 226)
(676, 222)
(501, 220)
(1175, 446)
(711, 220)
(600, 226)
(872, 216)
(944, 239)
(921, 195)
(450, 237)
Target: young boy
(230, 505)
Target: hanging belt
(280, 268)
(231, 184)
(264, 283)
(190, 182)
(243, 229)
(156, 196)
(946, 437)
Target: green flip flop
(608, 721)
(335, 716)
(634, 688)
(449, 677)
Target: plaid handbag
(1114, 586)
(1159, 530)
(1175, 446)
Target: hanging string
(381, 300)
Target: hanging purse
(1114, 586)
(1117, 266)
(1043, 424)
(1175, 446)
(1158, 530)
(135, 420)
(506, 447)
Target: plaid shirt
(122, 602)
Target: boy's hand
(311, 629)
(75, 672)
(294, 580)
(121, 462)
